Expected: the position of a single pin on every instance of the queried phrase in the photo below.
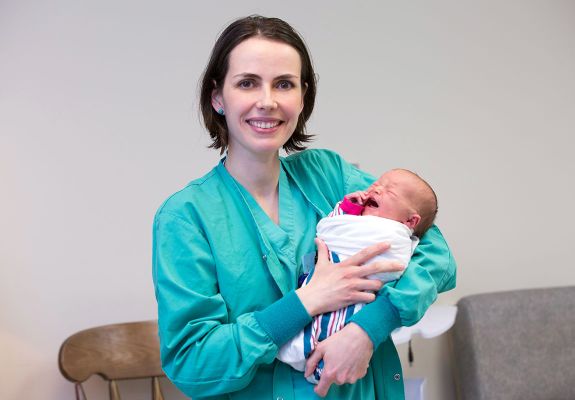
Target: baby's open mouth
(371, 203)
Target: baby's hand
(358, 197)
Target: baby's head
(403, 196)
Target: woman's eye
(285, 85)
(245, 84)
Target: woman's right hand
(334, 286)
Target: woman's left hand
(346, 355)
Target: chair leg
(79, 389)
(114, 392)
(156, 390)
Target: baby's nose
(375, 190)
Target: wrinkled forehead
(403, 183)
(397, 178)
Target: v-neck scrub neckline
(294, 236)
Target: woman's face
(262, 97)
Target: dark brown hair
(217, 68)
(428, 212)
(424, 201)
(427, 207)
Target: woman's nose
(266, 101)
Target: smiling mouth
(264, 124)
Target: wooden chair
(115, 352)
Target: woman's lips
(263, 124)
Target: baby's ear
(412, 221)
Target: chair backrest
(115, 352)
(515, 345)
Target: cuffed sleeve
(380, 327)
(283, 319)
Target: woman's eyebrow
(247, 75)
(250, 75)
(287, 76)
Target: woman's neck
(260, 177)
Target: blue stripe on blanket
(307, 330)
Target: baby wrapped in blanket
(397, 209)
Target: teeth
(264, 125)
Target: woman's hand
(346, 355)
(334, 286)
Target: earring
(221, 111)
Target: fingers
(322, 250)
(312, 362)
(366, 254)
(364, 297)
(351, 196)
(379, 267)
(369, 285)
(366, 286)
(356, 197)
(323, 386)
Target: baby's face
(391, 196)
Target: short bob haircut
(217, 68)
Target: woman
(228, 247)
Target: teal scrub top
(225, 276)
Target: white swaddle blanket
(347, 234)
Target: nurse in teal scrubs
(228, 247)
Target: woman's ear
(412, 221)
(303, 92)
(217, 102)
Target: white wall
(98, 125)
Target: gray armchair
(516, 345)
